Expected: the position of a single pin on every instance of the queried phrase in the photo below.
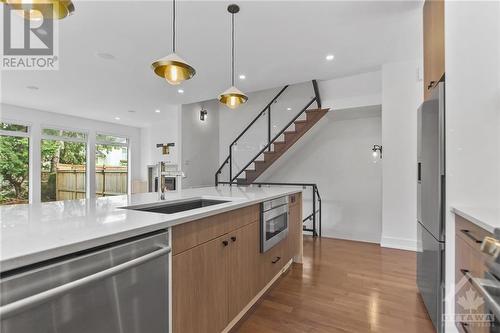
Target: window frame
(64, 138)
(26, 134)
(112, 143)
(116, 144)
(84, 140)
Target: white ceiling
(277, 43)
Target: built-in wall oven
(273, 222)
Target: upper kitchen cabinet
(433, 44)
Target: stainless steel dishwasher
(121, 288)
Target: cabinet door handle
(471, 236)
(464, 327)
(233, 238)
(431, 84)
(225, 243)
(276, 260)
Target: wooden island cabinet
(470, 261)
(218, 271)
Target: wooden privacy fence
(70, 181)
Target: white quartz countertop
(38, 232)
(487, 218)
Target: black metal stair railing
(315, 216)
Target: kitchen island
(218, 270)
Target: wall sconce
(376, 153)
(203, 115)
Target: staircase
(280, 147)
(275, 148)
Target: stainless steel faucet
(162, 186)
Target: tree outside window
(14, 163)
(63, 164)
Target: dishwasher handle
(15, 307)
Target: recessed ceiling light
(117, 118)
(157, 111)
(104, 55)
(32, 87)
(242, 76)
(330, 57)
(180, 91)
(289, 109)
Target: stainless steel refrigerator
(431, 205)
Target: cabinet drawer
(470, 233)
(191, 234)
(241, 217)
(467, 259)
(272, 261)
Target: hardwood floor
(343, 286)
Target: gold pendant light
(173, 68)
(38, 9)
(232, 97)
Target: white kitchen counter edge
(485, 218)
(14, 262)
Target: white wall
(347, 92)
(349, 182)
(166, 129)
(37, 119)
(473, 115)
(336, 154)
(200, 144)
(402, 94)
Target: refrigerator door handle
(419, 169)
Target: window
(14, 163)
(111, 159)
(64, 164)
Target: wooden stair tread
(291, 136)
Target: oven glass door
(274, 226)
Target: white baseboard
(399, 243)
(360, 237)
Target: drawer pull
(464, 327)
(466, 273)
(471, 236)
(225, 243)
(276, 260)
(233, 238)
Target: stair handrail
(229, 158)
(274, 139)
(260, 114)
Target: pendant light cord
(232, 49)
(173, 26)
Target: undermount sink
(176, 207)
